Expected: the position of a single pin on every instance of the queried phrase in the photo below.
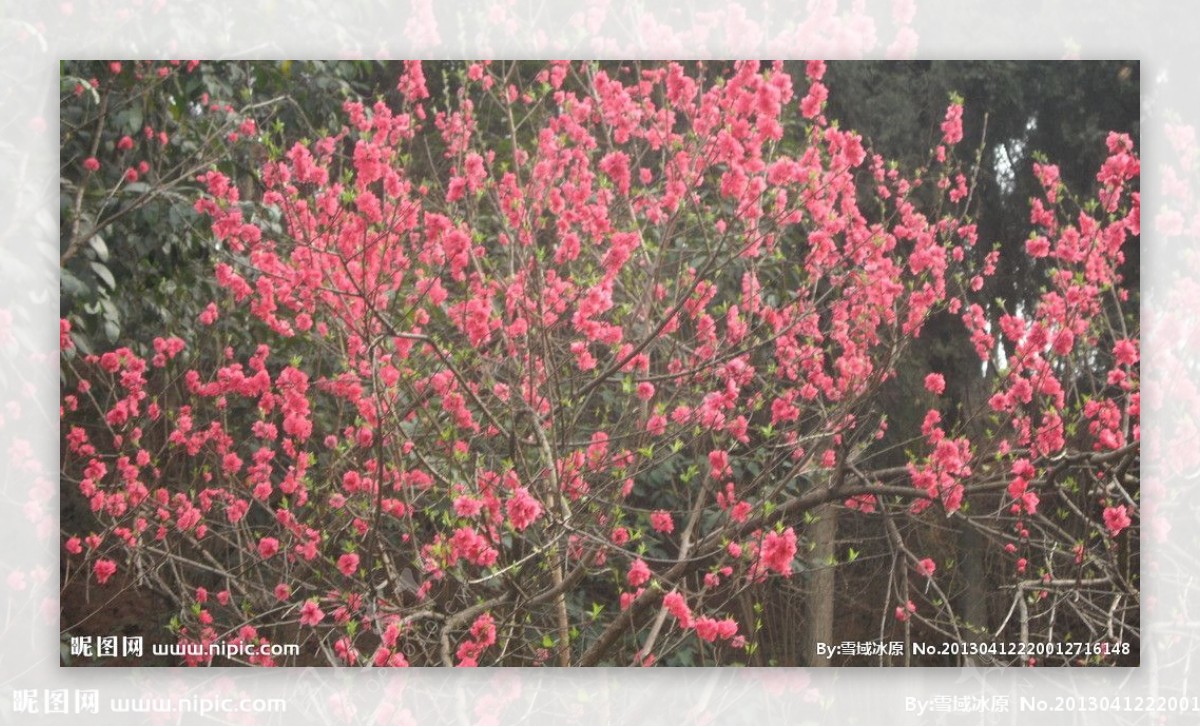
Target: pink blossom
(677, 606)
(1037, 246)
(952, 128)
(1116, 519)
(727, 628)
(718, 460)
(926, 566)
(1126, 352)
(706, 628)
(523, 509)
(935, 383)
(104, 570)
(348, 564)
(657, 425)
(468, 507)
(661, 521)
(645, 391)
(268, 547)
(638, 573)
(467, 543)
(710, 629)
(345, 651)
(778, 551)
(811, 104)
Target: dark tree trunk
(819, 624)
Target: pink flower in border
(706, 628)
(1116, 519)
(466, 506)
(311, 614)
(935, 384)
(348, 564)
(677, 606)
(778, 551)
(523, 509)
(812, 102)
(208, 316)
(952, 127)
(926, 567)
(657, 425)
(1037, 246)
(727, 628)
(718, 460)
(104, 570)
(1126, 352)
(268, 547)
(645, 391)
(661, 521)
(345, 650)
(638, 573)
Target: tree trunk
(972, 606)
(819, 626)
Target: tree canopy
(586, 363)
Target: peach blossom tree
(566, 366)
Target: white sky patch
(1006, 157)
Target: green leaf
(135, 119)
(100, 247)
(105, 274)
(71, 285)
